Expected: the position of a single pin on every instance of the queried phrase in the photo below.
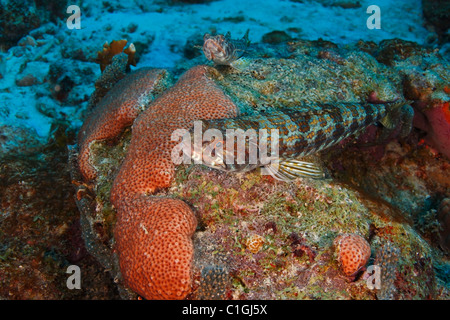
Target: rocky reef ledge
(259, 238)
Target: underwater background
(66, 88)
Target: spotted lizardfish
(243, 143)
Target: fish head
(209, 153)
(213, 154)
(218, 49)
(216, 155)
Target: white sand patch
(165, 29)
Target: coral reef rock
(379, 184)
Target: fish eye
(219, 144)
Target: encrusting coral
(148, 167)
(231, 207)
(353, 252)
(387, 259)
(116, 111)
(155, 247)
(214, 282)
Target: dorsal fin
(245, 38)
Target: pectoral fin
(288, 170)
(401, 117)
(389, 120)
